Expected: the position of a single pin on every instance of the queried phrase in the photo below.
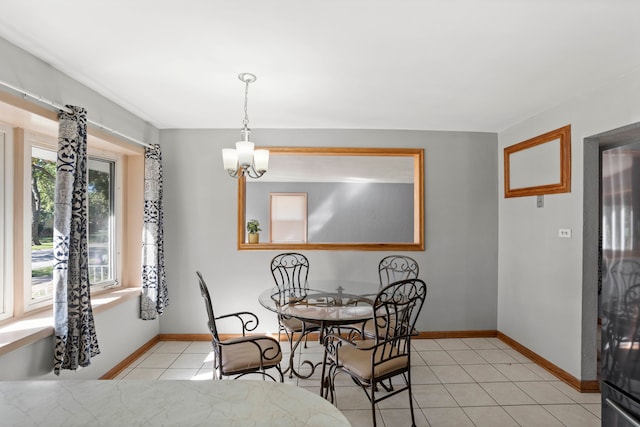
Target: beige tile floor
(456, 382)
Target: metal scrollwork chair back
(397, 267)
(290, 272)
(236, 357)
(392, 268)
(371, 362)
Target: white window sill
(34, 327)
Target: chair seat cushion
(246, 353)
(384, 330)
(292, 324)
(358, 360)
(364, 344)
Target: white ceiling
(465, 65)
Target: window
(28, 144)
(102, 239)
(34, 198)
(288, 217)
(38, 213)
(41, 182)
(6, 172)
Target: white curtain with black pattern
(154, 297)
(75, 339)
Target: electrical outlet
(540, 202)
(564, 233)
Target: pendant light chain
(246, 100)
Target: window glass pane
(101, 216)
(288, 217)
(3, 220)
(101, 210)
(43, 176)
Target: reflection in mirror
(368, 199)
(539, 165)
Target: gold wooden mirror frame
(563, 135)
(416, 154)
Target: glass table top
(329, 302)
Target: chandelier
(244, 160)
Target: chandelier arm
(251, 172)
(234, 173)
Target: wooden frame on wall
(416, 155)
(549, 155)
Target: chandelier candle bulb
(245, 153)
(261, 159)
(230, 159)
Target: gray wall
(461, 222)
(342, 212)
(547, 298)
(27, 72)
(120, 330)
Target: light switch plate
(540, 202)
(564, 233)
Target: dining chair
(290, 272)
(391, 269)
(397, 267)
(371, 362)
(248, 354)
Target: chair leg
(373, 403)
(332, 385)
(280, 372)
(327, 387)
(408, 380)
(387, 388)
(323, 376)
(291, 353)
(217, 369)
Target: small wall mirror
(541, 165)
(357, 199)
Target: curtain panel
(154, 298)
(75, 340)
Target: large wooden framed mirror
(540, 165)
(369, 199)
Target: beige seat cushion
(358, 360)
(295, 325)
(364, 344)
(370, 329)
(240, 354)
(291, 324)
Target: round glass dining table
(346, 303)
(328, 303)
